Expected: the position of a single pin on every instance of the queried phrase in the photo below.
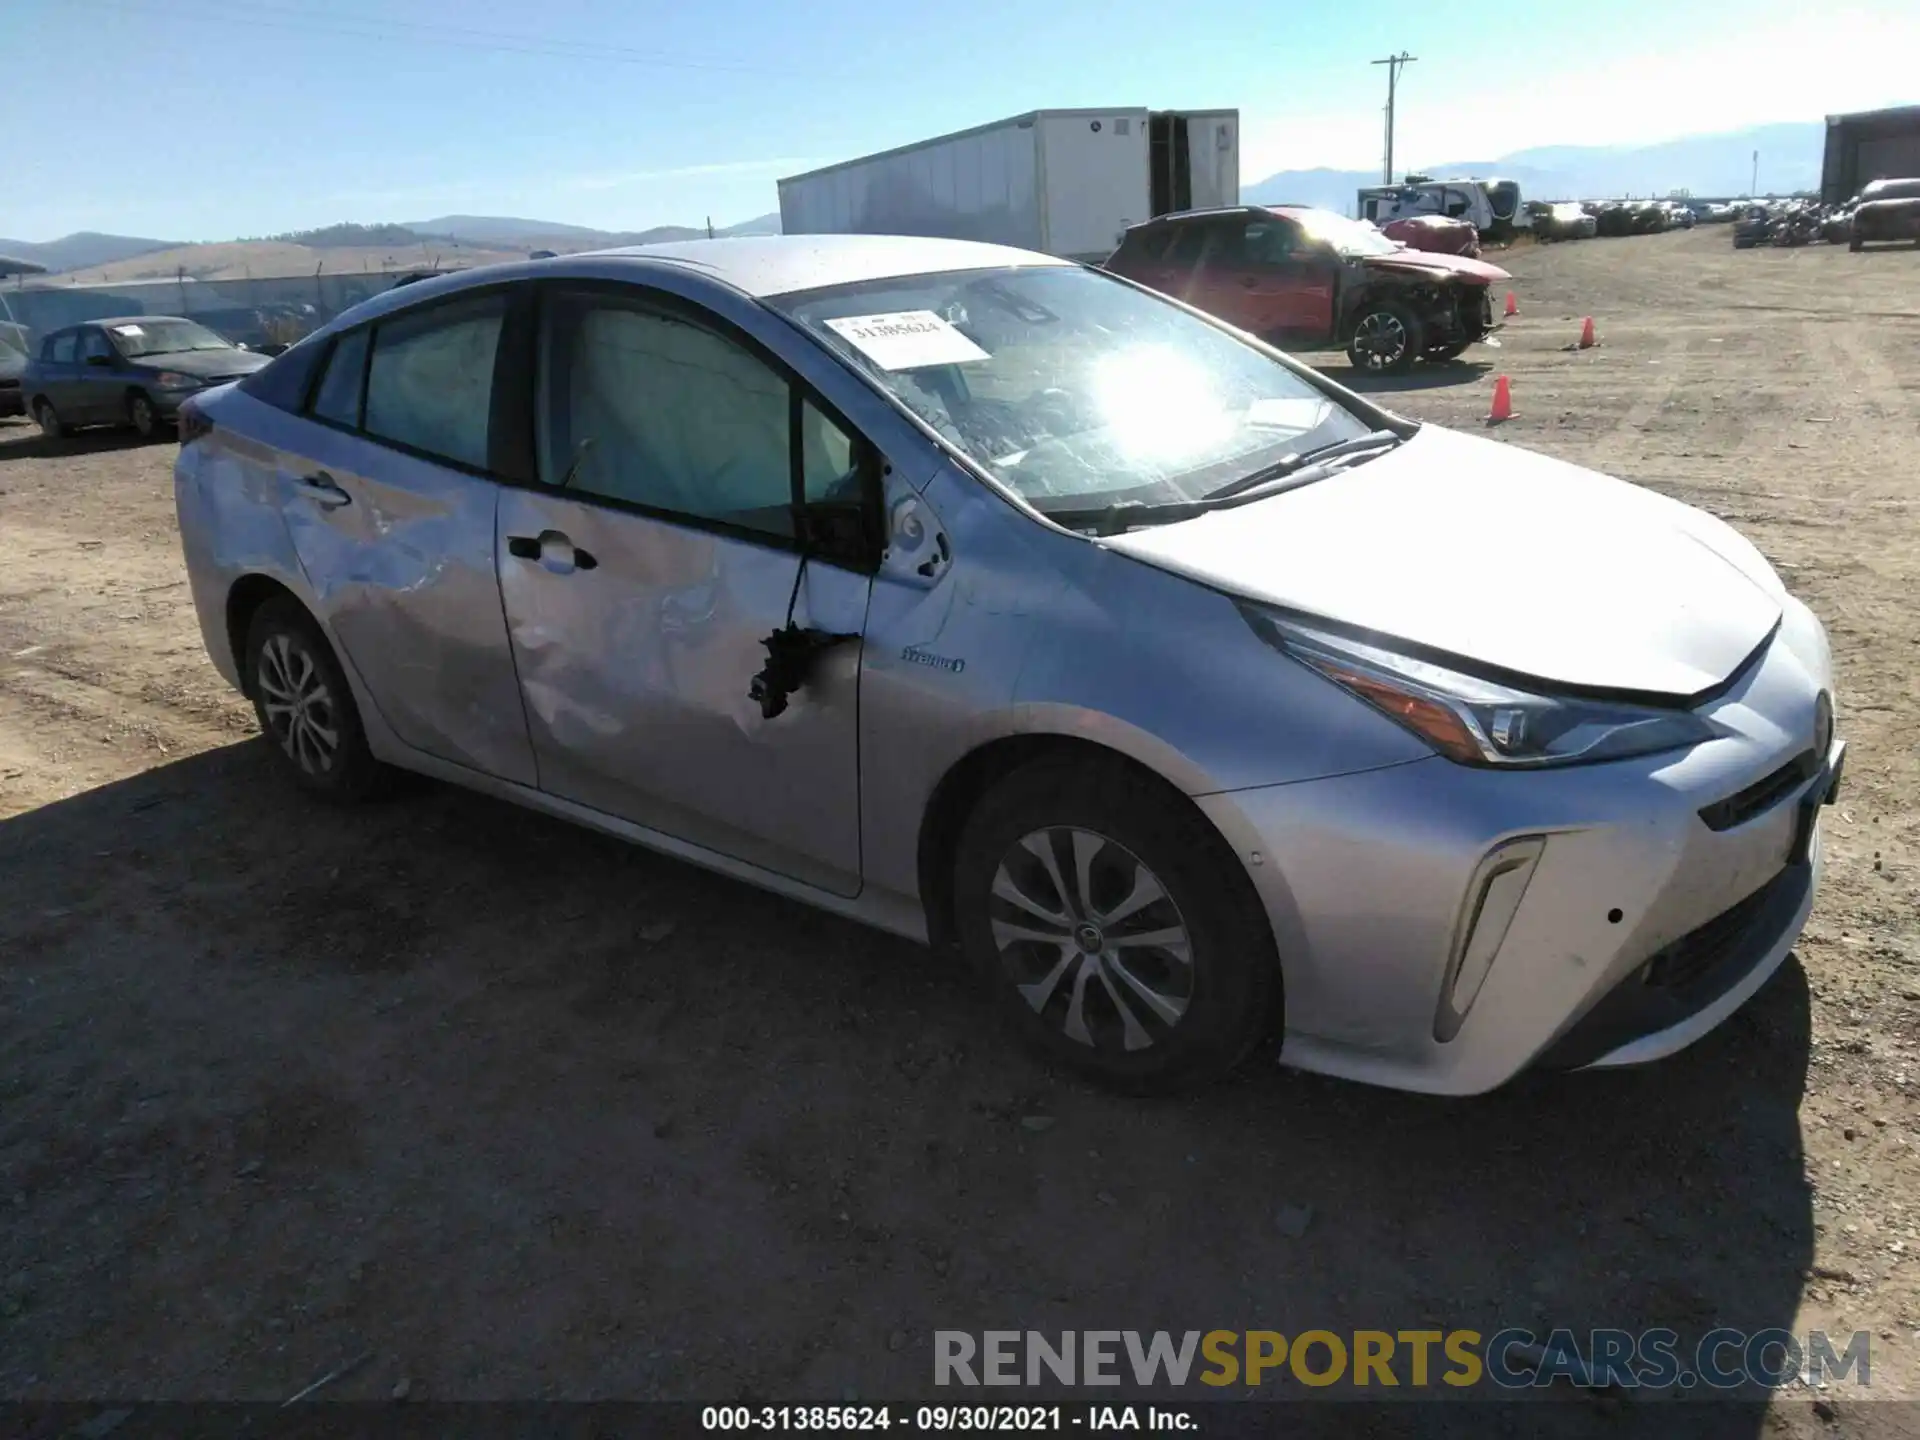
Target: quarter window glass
(643, 407)
(830, 458)
(338, 398)
(431, 383)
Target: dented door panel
(402, 571)
(637, 641)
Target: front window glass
(135, 338)
(1068, 386)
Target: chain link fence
(257, 313)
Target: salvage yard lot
(523, 1111)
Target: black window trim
(799, 392)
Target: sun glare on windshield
(1159, 405)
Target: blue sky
(209, 119)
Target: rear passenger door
(59, 359)
(390, 496)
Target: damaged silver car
(1010, 606)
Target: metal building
(1870, 145)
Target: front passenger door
(656, 553)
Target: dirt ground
(524, 1112)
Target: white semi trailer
(1067, 182)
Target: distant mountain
(505, 231)
(80, 250)
(1790, 157)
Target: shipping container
(1067, 182)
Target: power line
(368, 27)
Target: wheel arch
(244, 599)
(970, 777)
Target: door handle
(552, 549)
(323, 490)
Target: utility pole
(1393, 64)
(1753, 185)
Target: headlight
(174, 380)
(1480, 722)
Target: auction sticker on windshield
(132, 332)
(906, 340)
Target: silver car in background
(1011, 607)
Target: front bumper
(1367, 881)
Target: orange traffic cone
(1502, 402)
(1587, 342)
(1513, 306)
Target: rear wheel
(1856, 243)
(141, 415)
(1386, 339)
(49, 421)
(1116, 928)
(305, 707)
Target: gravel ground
(526, 1112)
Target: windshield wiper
(1294, 470)
(1123, 515)
(1292, 466)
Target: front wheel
(1116, 928)
(305, 707)
(1386, 340)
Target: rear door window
(430, 384)
(62, 349)
(1189, 243)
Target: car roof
(128, 320)
(764, 265)
(760, 266)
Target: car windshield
(1068, 386)
(133, 338)
(1349, 237)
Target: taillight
(194, 424)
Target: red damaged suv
(1312, 279)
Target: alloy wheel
(1382, 338)
(1091, 939)
(298, 703)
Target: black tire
(288, 657)
(1856, 243)
(1386, 339)
(1442, 353)
(1212, 1009)
(49, 421)
(141, 415)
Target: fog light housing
(1493, 898)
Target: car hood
(1490, 553)
(1430, 260)
(205, 363)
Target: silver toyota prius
(1195, 701)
